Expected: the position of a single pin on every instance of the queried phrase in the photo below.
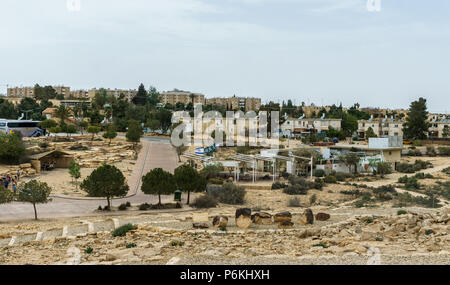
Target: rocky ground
(418, 237)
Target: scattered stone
(307, 218)
(200, 225)
(282, 217)
(262, 218)
(243, 218)
(200, 217)
(322, 216)
(220, 221)
(285, 225)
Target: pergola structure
(253, 159)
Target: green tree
(416, 125)
(350, 159)
(48, 124)
(134, 132)
(82, 125)
(141, 96)
(34, 192)
(6, 195)
(30, 108)
(110, 133)
(158, 182)
(12, 148)
(211, 171)
(106, 181)
(93, 130)
(69, 129)
(188, 180)
(55, 130)
(349, 124)
(370, 133)
(75, 172)
(446, 131)
(153, 96)
(8, 110)
(62, 113)
(165, 118)
(153, 124)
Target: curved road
(156, 152)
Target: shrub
(294, 202)
(431, 151)
(232, 194)
(319, 173)
(341, 176)
(285, 175)
(312, 199)
(359, 204)
(43, 144)
(130, 245)
(414, 152)
(412, 183)
(401, 212)
(384, 168)
(385, 189)
(12, 148)
(88, 250)
(444, 150)
(144, 207)
(296, 189)
(417, 143)
(122, 230)
(405, 168)
(318, 184)
(278, 185)
(330, 179)
(122, 207)
(416, 166)
(205, 201)
(216, 181)
(368, 220)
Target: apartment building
(20, 92)
(185, 97)
(79, 94)
(24, 92)
(310, 125)
(129, 94)
(235, 103)
(62, 90)
(440, 127)
(382, 127)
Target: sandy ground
(63, 184)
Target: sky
(314, 51)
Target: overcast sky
(316, 51)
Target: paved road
(156, 152)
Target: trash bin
(177, 196)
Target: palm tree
(62, 113)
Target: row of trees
(107, 181)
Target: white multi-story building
(310, 125)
